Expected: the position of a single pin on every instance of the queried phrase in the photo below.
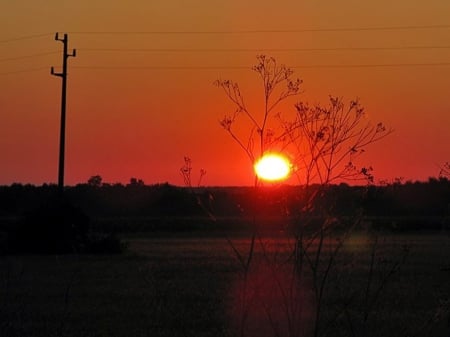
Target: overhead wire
(315, 66)
(24, 70)
(230, 50)
(26, 37)
(264, 31)
(28, 56)
(95, 67)
(254, 31)
(226, 50)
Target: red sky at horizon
(124, 122)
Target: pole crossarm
(52, 72)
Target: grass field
(189, 285)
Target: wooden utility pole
(62, 137)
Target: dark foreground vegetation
(369, 261)
(189, 286)
(137, 207)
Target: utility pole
(62, 136)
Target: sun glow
(273, 167)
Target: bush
(56, 227)
(100, 243)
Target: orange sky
(141, 122)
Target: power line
(250, 31)
(249, 68)
(162, 67)
(226, 50)
(23, 71)
(317, 66)
(27, 37)
(27, 56)
(380, 65)
(263, 31)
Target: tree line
(430, 198)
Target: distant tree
(136, 182)
(95, 181)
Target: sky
(140, 94)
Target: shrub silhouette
(100, 243)
(55, 227)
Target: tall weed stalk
(325, 141)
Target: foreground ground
(190, 285)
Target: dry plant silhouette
(298, 285)
(186, 173)
(261, 134)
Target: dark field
(186, 285)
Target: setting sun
(273, 167)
